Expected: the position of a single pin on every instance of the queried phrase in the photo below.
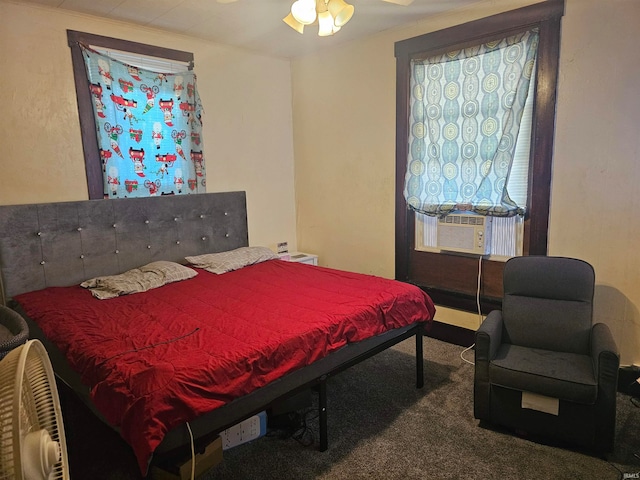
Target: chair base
(576, 424)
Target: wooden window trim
(450, 279)
(93, 164)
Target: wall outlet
(283, 247)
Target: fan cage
(28, 402)
(8, 367)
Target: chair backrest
(548, 303)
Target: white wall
(595, 200)
(345, 177)
(247, 133)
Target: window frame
(93, 163)
(452, 280)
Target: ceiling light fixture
(330, 15)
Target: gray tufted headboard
(61, 244)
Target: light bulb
(325, 24)
(304, 11)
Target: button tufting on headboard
(114, 234)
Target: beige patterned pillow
(232, 260)
(152, 275)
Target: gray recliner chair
(541, 366)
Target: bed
(206, 351)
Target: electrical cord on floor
(305, 435)
(478, 307)
(465, 351)
(296, 426)
(193, 453)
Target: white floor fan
(32, 440)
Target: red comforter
(157, 359)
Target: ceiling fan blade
(229, 1)
(400, 2)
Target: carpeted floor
(382, 427)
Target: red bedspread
(156, 359)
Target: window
(504, 239)
(451, 279)
(93, 160)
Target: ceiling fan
(397, 2)
(330, 15)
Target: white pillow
(152, 275)
(231, 260)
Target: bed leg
(419, 359)
(322, 413)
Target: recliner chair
(541, 366)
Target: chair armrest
(489, 336)
(604, 352)
(606, 361)
(488, 339)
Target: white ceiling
(254, 24)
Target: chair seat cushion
(566, 376)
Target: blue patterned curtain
(149, 129)
(464, 121)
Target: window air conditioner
(465, 233)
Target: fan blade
(404, 3)
(231, 1)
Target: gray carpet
(382, 427)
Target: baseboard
(451, 333)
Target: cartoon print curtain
(464, 121)
(149, 128)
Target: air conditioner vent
(465, 233)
